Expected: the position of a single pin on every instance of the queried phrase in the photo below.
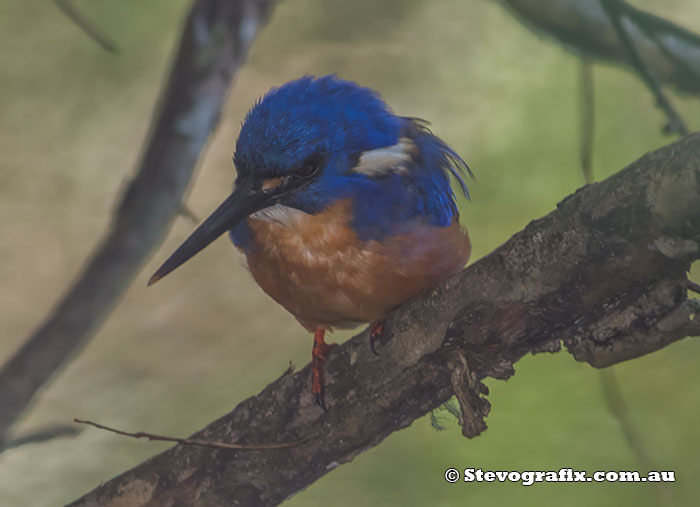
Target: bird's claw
(321, 401)
(375, 333)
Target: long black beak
(242, 202)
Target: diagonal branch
(605, 274)
(618, 12)
(88, 27)
(669, 52)
(188, 441)
(587, 114)
(214, 43)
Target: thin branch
(618, 14)
(188, 214)
(695, 287)
(587, 112)
(213, 46)
(190, 441)
(617, 405)
(88, 27)
(43, 435)
(596, 274)
(662, 44)
(669, 52)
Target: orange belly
(317, 268)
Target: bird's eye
(309, 168)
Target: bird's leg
(375, 333)
(318, 354)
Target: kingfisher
(343, 209)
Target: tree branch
(215, 41)
(670, 53)
(86, 26)
(587, 114)
(619, 14)
(605, 274)
(187, 441)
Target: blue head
(326, 120)
(314, 141)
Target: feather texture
(317, 268)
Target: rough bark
(605, 274)
(215, 41)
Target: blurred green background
(175, 356)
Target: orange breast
(317, 268)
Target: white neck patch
(386, 160)
(279, 213)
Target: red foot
(375, 333)
(318, 354)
